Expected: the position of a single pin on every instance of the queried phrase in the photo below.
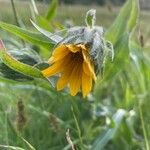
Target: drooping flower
(74, 66)
(79, 56)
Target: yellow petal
(59, 53)
(75, 79)
(62, 82)
(85, 54)
(51, 60)
(73, 48)
(57, 66)
(86, 84)
(88, 69)
(54, 69)
(64, 79)
(58, 50)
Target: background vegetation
(87, 2)
(33, 115)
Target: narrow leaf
(119, 26)
(134, 15)
(55, 38)
(42, 22)
(34, 38)
(52, 10)
(117, 118)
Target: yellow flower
(73, 64)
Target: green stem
(15, 13)
(77, 125)
(16, 17)
(144, 129)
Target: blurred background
(69, 10)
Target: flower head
(74, 66)
(79, 56)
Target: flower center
(78, 57)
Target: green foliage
(18, 66)
(34, 38)
(43, 23)
(108, 135)
(118, 28)
(121, 58)
(52, 10)
(134, 15)
(89, 2)
(119, 34)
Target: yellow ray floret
(73, 64)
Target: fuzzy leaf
(91, 18)
(19, 66)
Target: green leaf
(19, 66)
(134, 15)
(121, 58)
(34, 38)
(118, 28)
(117, 118)
(52, 10)
(125, 22)
(53, 37)
(25, 55)
(119, 34)
(42, 22)
(90, 19)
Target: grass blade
(11, 147)
(105, 138)
(52, 10)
